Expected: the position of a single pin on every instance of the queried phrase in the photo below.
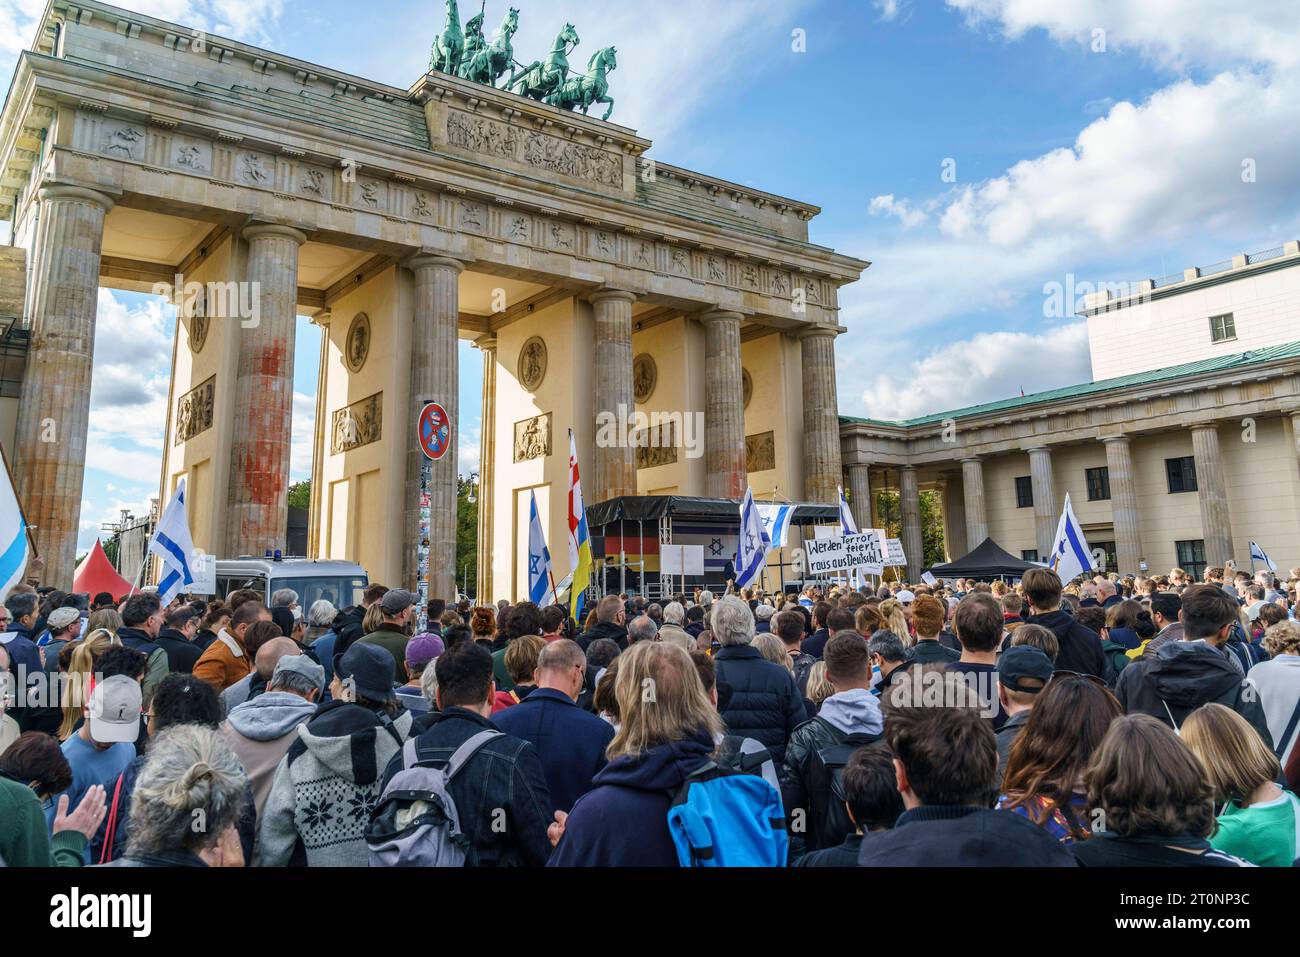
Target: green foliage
(300, 494)
(466, 534)
(890, 514)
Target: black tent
(988, 560)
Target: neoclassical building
(254, 187)
(1183, 450)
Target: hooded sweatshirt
(1080, 647)
(1184, 675)
(856, 711)
(260, 732)
(327, 786)
(623, 820)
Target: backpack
(415, 823)
(722, 818)
(1116, 658)
(732, 756)
(830, 823)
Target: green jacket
(24, 836)
(393, 642)
(499, 671)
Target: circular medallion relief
(644, 376)
(198, 332)
(357, 345)
(746, 387)
(532, 363)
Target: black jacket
(347, 625)
(1080, 646)
(504, 775)
(604, 629)
(800, 787)
(1185, 675)
(182, 654)
(963, 837)
(817, 643)
(764, 701)
(1105, 850)
(928, 651)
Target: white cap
(115, 710)
(905, 596)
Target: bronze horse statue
(543, 77)
(449, 46)
(487, 63)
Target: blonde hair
(373, 618)
(1282, 638)
(772, 648)
(891, 612)
(76, 683)
(521, 658)
(106, 618)
(660, 699)
(819, 686)
(1236, 759)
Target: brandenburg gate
(253, 187)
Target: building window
(1191, 558)
(1024, 492)
(1098, 484)
(1181, 473)
(1222, 328)
(1029, 555)
(1111, 559)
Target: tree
(300, 494)
(889, 511)
(466, 570)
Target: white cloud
(984, 368)
(303, 431)
(906, 214)
(888, 9)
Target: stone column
(954, 519)
(1046, 515)
(487, 467)
(909, 497)
(724, 406)
(860, 494)
(1124, 504)
(1216, 523)
(1295, 434)
(821, 417)
(435, 377)
(259, 453)
(977, 523)
(322, 321)
(615, 461)
(54, 412)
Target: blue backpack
(721, 818)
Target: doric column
(972, 482)
(435, 377)
(860, 493)
(821, 417)
(487, 467)
(724, 406)
(910, 504)
(259, 453)
(1123, 504)
(321, 320)
(1046, 516)
(54, 413)
(954, 519)
(1216, 523)
(615, 461)
(1295, 434)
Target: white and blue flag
(1070, 556)
(15, 545)
(172, 543)
(752, 543)
(539, 557)
(776, 522)
(847, 524)
(1258, 554)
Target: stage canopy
(648, 508)
(96, 574)
(988, 560)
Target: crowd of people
(1116, 721)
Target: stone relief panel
(357, 424)
(655, 445)
(516, 227)
(532, 364)
(123, 140)
(760, 452)
(370, 194)
(641, 254)
(471, 216)
(314, 182)
(561, 236)
(194, 411)
(533, 438)
(424, 205)
(480, 135)
(540, 150)
(356, 348)
(191, 155)
(645, 375)
(254, 169)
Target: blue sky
(1098, 139)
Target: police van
(340, 583)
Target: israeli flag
(172, 543)
(752, 543)
(776, 523)
(1258, 554)
(849, 526)
(1071, 556)
(539, 556)
(13, 537)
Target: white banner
(894, 554)
(842, 553)
(204, 569)
(681, 560)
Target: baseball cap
(422, 649)
(115, 710)
(61, 618)
(1024, 661)
(396, 601)
(764, 612)
(906, 597)
(300, 664)
(371, 669)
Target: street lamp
(473, 484)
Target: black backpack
(829, 822)
(730, 757)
